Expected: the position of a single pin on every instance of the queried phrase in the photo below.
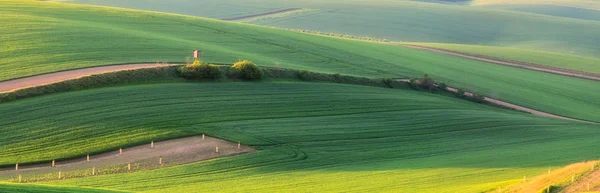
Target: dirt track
(144, 157)
(512, 106)
(50, 78)
(261, 14)
(523, 65)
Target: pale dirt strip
(261, 14)
(513, 106)
(523, 65)
(173, 152)
(44, 79)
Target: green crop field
(583, 4)
(567, 61)
(554, 10)
(382, 139)
(10, 188)
(46, 37)
(410, 21)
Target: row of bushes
(427, 83)
(242, 70)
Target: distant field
(46, 37)
(585, 4)
(410, 21)
(554, 10)
(380, 137)
(580, 63)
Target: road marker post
(17, 166)
(129, 167)
(239, 145)
(59, 175)
(203, 136)
(20, 178)
(217, 149)
(120, 151)
(93, 171)
(160, 161)
(53, 164)
(152, 144)
(88, 158)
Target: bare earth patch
(144, 157)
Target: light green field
(566, 61)
(382, 139)
(404, 20)
(584, 4)
(554, 10)
(28, 188)
(46, 37)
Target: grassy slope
(29, 188)
(45, 37)
(585, 64)
(406, 21)
(382, 139)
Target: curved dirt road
(50, 78)
(143, 157)
(513, 106)
(517, 64)
(20, 83)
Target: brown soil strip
(144, 157)
(512, 106)
(44, 79)
(511, 63)
(261, 14)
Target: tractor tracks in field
(510, 63)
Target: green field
(10, 188)
(583, 4)
(410, 21)
(566, 61)
(554, 10)
(382, 139)
(50, 36)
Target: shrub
(460, 93)
(442, 86)
(414, 84)
(199, 71)
(337, 78)
(477, 98)
(245, 70)
(388, 82)
(304, 75)
(427, 82)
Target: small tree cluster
(245, 70)
(200, 71)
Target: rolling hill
(414, 21)
(51, 36)
(381, 137)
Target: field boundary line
(510, 63)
